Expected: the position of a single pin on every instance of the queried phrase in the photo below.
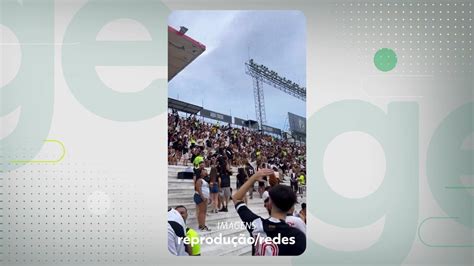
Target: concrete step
(245, 253)
(241, 250)
(188, 199)
(180, 192)
(172, 192)
(225, 250)
(213, 219)
(192, 208)
(174, 179)
(188, 183)
(228, 233)
(187, 190)
(230, 218)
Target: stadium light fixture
(261, 73)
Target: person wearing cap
(281, 198)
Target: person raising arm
(281, 198)
(239, 196)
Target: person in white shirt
(295, 221)
(176, 233)
(201, 197)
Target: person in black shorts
(224, 186)
(272, 236)
(214, 189)
(249, 170)
(241, 179)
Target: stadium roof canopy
(182, 50)
(183, 106)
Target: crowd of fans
(190, 138)
(259, 157)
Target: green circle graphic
(385, 59)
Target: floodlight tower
(261, 74)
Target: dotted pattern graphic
(70, 213)
(428, 37)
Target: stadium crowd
(213, 149)
(189, 138)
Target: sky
(217, 80)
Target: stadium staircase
(180, 192)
